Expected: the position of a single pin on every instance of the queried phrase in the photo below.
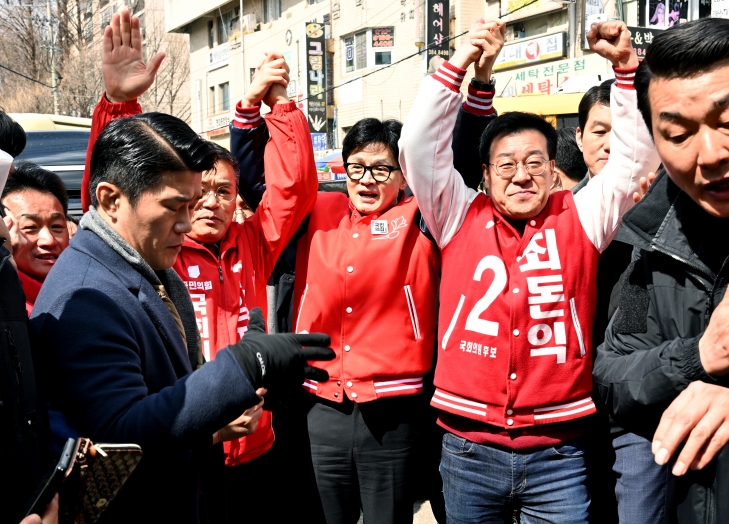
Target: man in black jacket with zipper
(663, 369)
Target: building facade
(352, 59)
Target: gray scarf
(175, 288)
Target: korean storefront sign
(546, 78)
(533, 50)
(642, 37)
(719, 8)
(316, 84)
(438, 28)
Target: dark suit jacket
(117, 367)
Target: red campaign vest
(221, 309)
(370, 283)
(515, 318)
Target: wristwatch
(481, 86)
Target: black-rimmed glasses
(381, 173)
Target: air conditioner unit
(250, 23)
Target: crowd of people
(517, 323)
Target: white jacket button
(349, 384)
(533, 223)
(509, 411)
(349, 310)
(356, 235)
(516, 332)
(347, 348)
(350, 269)
(512, 376)
(354, 395)
(510, 422)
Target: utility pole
(54, 77)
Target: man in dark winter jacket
(662, 370)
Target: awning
(562, 104)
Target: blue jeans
(484, 484)
(643, 488)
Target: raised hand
(699, 416)
(126, 76)
(485, 40)
(611, 40)
(271, 71)
(645, 184)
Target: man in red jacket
(35, 204)
(514, 373)
(226, 265)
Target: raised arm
(473, 118)
(426, 155)
(248, 137)
(605, 199)
(126, 78)
(290, 172)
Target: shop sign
(528, 51)
(218, 56)
(642, 37)
(383, 37)
(438, 28)
(316, 80)
(547, 78)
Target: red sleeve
(104, 113)
(291, 186)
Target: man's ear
(578, 137)
(403, 182)
(486, 179)
(109, 198)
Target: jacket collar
(229, 241)
(31, 287)
(656, 223)
(89, 243)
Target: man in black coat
(662, 370)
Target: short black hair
(12, 135)
(595, 95)
(372, 131)
(31, 177)
(569, 157)
(226, 156)
(133, 152)
(512, 123)
(682, 51)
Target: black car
(64, 153)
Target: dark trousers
(365, 456)
(279, 486)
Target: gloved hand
(279, 361)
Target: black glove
(280, 361)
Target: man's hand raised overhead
(126, 76)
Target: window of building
(211, 100)
(311, 2)
(349, 53)
(89, 30)
(211, 34)
(383, 57)
(360, 50)
(142, 25)
(224, 94)
(106, 16)
(271, 10)
(227, 24)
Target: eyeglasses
(534, 166)
(380, 173)
(222, 194)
